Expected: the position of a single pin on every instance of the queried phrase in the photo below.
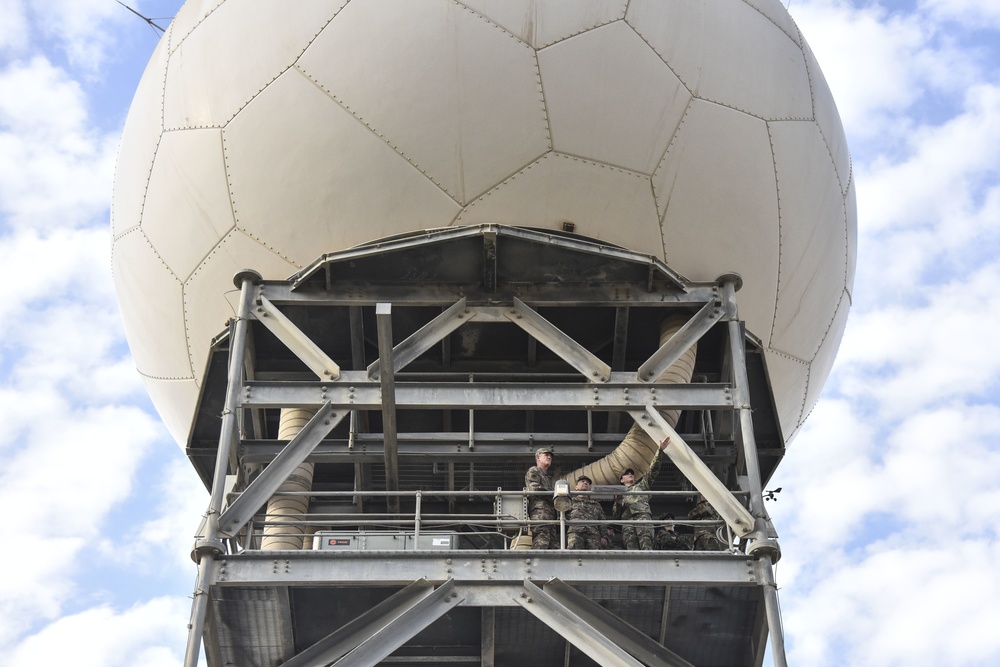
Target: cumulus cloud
(900, 606)
(881, 65)
(13, 27)
(55, 171)
(145, 634)
(890, 501)
(165, 539)
(76, 423)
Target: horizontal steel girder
(444, 295)
(455, 447)
(342, 568)
(356, 392)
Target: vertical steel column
(741, 396)
(764, 569)
(210, 544)
(387, 377)
(765, 549)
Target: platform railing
(503, 526)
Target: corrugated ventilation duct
(290, 508)
(637, 449)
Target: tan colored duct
(637, 449)
(290, 508)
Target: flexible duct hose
(290, 508)
(637, 449)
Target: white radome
(264, 134)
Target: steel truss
(434, 299)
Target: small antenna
(152, 22)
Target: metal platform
(435, 363)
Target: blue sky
(890, 497)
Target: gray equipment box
(432, 541)
(383, 541)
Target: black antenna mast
(152, 22)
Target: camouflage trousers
(707, 541)
(638, 538)
(544, 537)
(583, 537)
(668, 540)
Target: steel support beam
(363, 394)
(387, 390)
(765, 573)
(612, 627)
(209, 543)
(764, 548)
(488, 638)
(573, 628)
(295, 340)
(445, 447)
(680, 341)
(553, 338)
(424, 338)
(696, 472)
(618, 356)
(633, 295)
(490, 232)
(274, 475)
(311, 568)
(382, 641)
(342, 641)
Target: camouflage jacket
(537, 479)
(703, 511)
(586, 508)
(635, 505)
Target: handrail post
(416, 520)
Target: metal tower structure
(364, 428)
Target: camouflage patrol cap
(627, 471)
(584, 478)
(543, 450)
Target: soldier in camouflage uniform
(668, 539)
(540, 507)
(705, 538)
(634, 505)
(586, 508)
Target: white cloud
(66, 472)
(939, 183)
(907, 357)
(901, 606)
(55, 171)
(13, 26)
(973, 14)
(182, 502)
(83, 29)
(890, 501)
(150, 634)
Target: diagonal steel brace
(274, 475)
(696, 472)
